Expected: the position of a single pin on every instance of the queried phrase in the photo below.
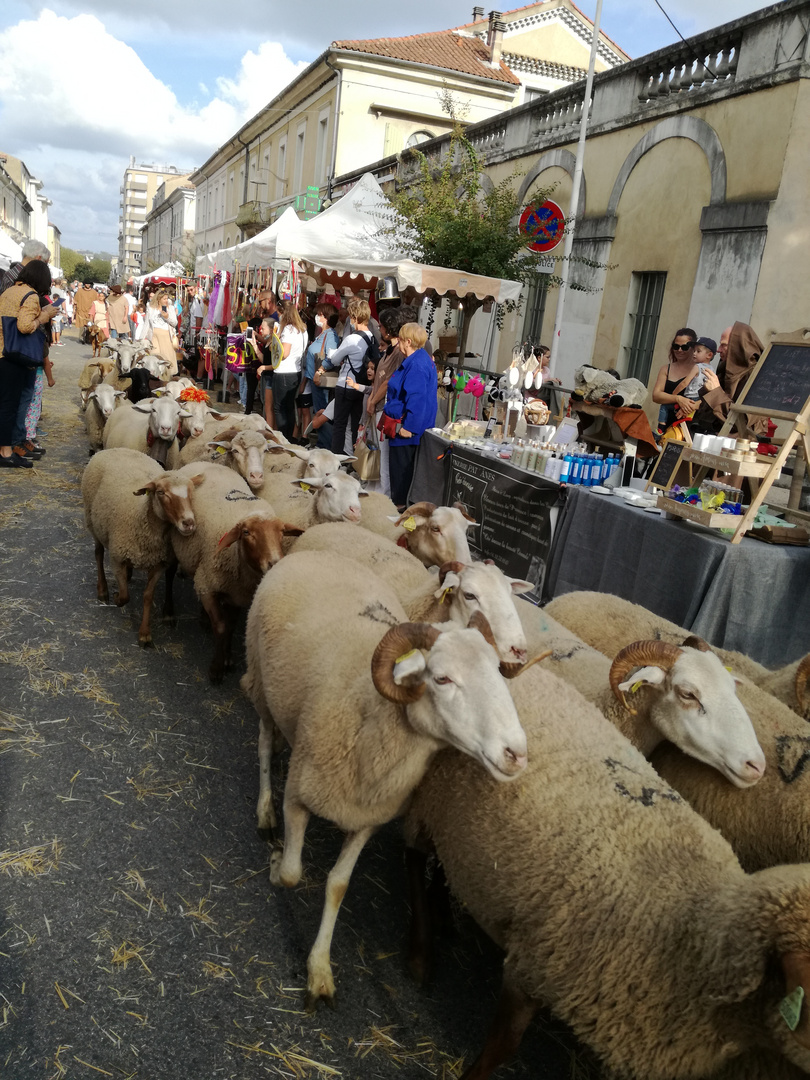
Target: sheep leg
(320, 983)
(145, 633)
(420, 944)
(218, 625)
(102, 591)
(287, 870)
(513, 1015)
(122, 576)
(231, 617)
(168, 599)
(265, 812)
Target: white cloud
(80, 118)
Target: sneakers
(34, 448)
(24, 452)
(15, 462)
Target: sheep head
(436, 534)
(482, 587)
(693, 704)
(259, 540)
(171, 500)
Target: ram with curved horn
(366, 716)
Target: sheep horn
(399, 640)
(802, 675)
(460, 507)
(695, 642)
(511, 671)
(638, 654)
(479, 621)
(450, 568)
(422, 508)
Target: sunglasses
(684, 348)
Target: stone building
(167, 234)
(694, 196)
(361, 100)
(137, 192)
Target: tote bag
(24, 350)
(367, 465)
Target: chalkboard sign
(513, 512)
(667, 465)
(781, 381)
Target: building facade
(137, 192)
(167, 235)
(25, 190)
(693, 209)
(361, 100)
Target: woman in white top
(161, 328)
(287, 376)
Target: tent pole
(575, 188)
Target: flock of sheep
(624, 810)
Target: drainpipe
(331, 176)
(247, 169)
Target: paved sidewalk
(139, 934)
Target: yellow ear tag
(634, 689)
(790, 1007)
(727, 667)
(305, 487)
(409, 524)
(221, 450)
(443, 597)
(405, 656)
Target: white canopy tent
(168, 271)
(10, 250)
(348, 244)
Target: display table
(752, 597)
(515, 510)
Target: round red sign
(544, 223)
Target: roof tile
(442, 49)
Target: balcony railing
(252, 217)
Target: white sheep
(454, 595)
(767, 825)
(653, 691)
(217, 436)
(126, 354)
(584, 612)
(102, 400)
(364, 722)
(304, 463)
(93, 373)
(150, 426)
(176, 386)
(617, 906)
(130, 506)
(308, 502)
(237, 539)
(434, 534)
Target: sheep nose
(513, 761)
(353, 513)
(255, 479)
(519, 654)
(188, 525)
(754, 770)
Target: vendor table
(752, 597)
(515, 509)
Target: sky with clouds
(85, 85)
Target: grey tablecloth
(751, 596)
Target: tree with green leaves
(445, 218)
(69, 260)
(96, 270)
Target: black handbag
(23, 350)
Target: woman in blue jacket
(412, 401)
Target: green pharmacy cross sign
(309, 203)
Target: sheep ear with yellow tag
(409, 524)
(645, 676)
(451, 581)
(409, 664)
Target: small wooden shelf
(760, 467)
(709, 518)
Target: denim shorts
(267, 381)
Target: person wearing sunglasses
(674, 390)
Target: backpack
(372, 353)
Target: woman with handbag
(22, 344)
(326, 317)
(352, 358)
(287, 374)
(410, 409)
(161, 328)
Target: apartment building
(167, 235)
(25, 209)
(693, 209)
(137, 191)
(361, 100)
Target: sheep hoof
(266, 817)
(420, 967)
(275, 866)
(321, 988)
(146, 643)
(103, 597)
(120, 601)
(215, 675)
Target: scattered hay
(148, 784)
(425, 1054)
(17, 734)
(200, 913)
(127, 951)
(217, 971)
(297, 1064)
(32, 861)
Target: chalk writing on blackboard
(667, 463)
(512, 510)
(783, 381)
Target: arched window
(419, 137)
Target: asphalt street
(139, 934)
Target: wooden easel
(778, 387)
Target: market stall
(742, 596)
(10, 251)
